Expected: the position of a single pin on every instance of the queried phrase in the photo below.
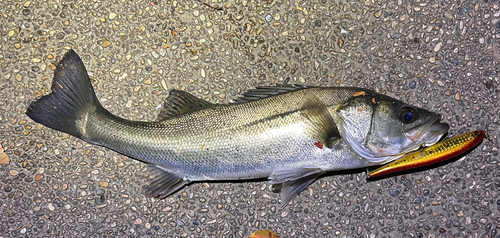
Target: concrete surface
(442, 55)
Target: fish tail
(66, 109)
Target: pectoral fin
(323, 127)
(294, 181)
(164, 183)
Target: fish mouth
(429, 133)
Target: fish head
(381, 129)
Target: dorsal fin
(264, 92)
(179, 102)
(323, 127)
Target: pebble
(438, 46)
(269, 17)
(112, 15)
(413, 84)
(394, 192)
(26, 11)
(155, 54)
(417, 200)
(4, 158)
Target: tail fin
(71, 98)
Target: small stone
(155, 54)
(138, 221)
(38, 177)
(51, 207)
(432, 60)
(269, 17)
(341, 42)
(13, 172)
(4, 158)
(377, 13)
(417, 200)
(457, 96)
(413, 84)
(112, 15)
(438, 47)
(394, 192)
(103, 184)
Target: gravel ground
(443, 56)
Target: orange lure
(441, 151)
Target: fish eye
(407, 114)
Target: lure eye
(407, 114)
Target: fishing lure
(442, 151)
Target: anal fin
(294, 181)
(164, 183)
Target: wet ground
(443, 56)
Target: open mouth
(428, 134)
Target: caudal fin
(72, 97)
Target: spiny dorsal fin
(264, 92)
(323, 127)
(179, 102)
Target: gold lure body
(441, 151)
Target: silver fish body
(230, 142)
(291, 135)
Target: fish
(439, 152)
(289, 134)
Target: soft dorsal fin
(264, 92)
(323, 127)
(179, 102)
